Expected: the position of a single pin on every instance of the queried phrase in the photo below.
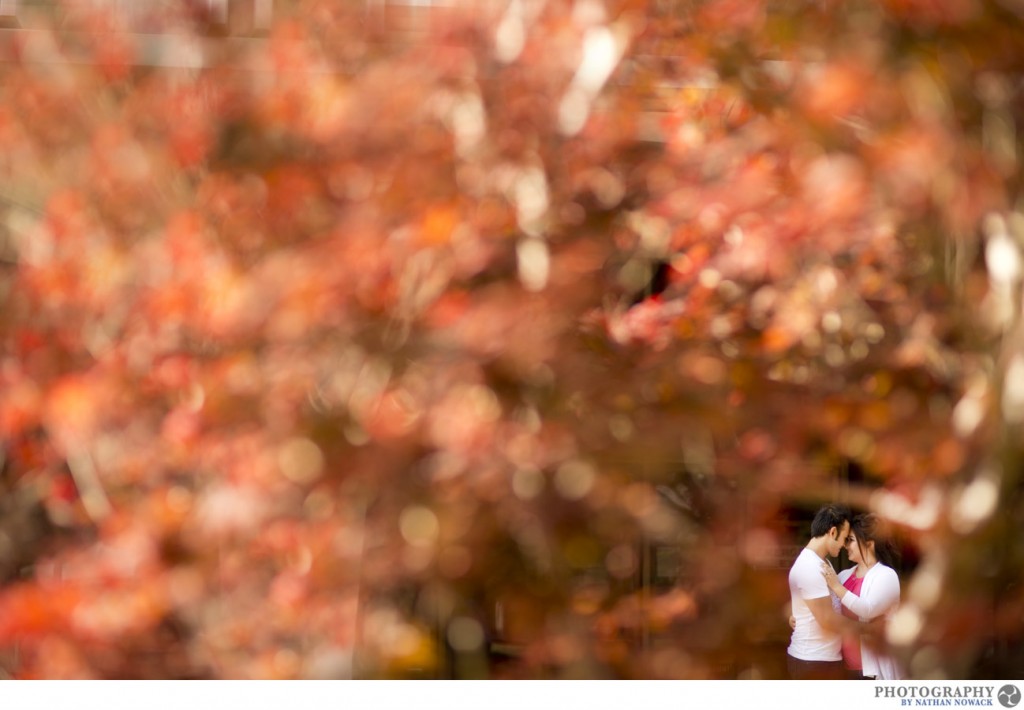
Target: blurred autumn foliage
(503, 339)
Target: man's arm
(828, 619)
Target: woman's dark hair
(868, 528)
(830, 516)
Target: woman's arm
(881, 595)
(835, 582)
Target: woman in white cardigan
(869, 591)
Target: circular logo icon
(1009, 696)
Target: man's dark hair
(830, 516)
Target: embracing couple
(835, 617)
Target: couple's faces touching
(838, 539)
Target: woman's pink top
(851, 644)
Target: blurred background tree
(502, 339)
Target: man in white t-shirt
(815, 649)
